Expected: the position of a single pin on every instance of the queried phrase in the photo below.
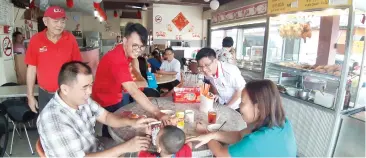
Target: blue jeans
(113, 108)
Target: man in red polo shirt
(47, 52)
(113, 74)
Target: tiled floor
(20, 145)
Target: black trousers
(43, 98)
(169, 85)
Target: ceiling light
(214, 4)
(144, 7)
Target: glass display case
(314, 51)
(304, 54)
(248, 44)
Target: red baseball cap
(55, 12)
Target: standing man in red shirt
(47, 52)
(113, 74)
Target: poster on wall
(183, 23)
(180, 21)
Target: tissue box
(186, 95)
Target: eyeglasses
(137, 47)
(205, 66)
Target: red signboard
(248, 11)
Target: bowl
(213, 127)
(303, 94)
(291, 91)
(168, 112)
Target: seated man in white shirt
(170, 66)
(66, 124)
(225, 78)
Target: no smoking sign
(7, 48)
(158, 19)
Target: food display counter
(312, 52)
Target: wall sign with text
(248, 11)
(285, 6)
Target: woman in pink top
(18, 43)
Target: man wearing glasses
(114, 75)
(170, 66)
(224, 77)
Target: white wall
(168, 12)
(89, 23)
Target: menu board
(6, 13)
(285, 6)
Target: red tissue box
(186, 95)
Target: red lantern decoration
(96, 5)
(115, 14)
(31, 4)
(70, 3)
(139, 14)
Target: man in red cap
(47, 52)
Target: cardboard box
(186, 95)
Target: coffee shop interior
(313, 51)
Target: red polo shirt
(112, 71)
(48, 57)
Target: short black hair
(70, 70)
(227, 42)
(167, 49)
(139, 29)
(172, 139)
(15, 34)
(206, 52)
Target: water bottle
(151, 79)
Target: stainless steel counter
(351, 138)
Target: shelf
(309, 103)
(301, 72)
(256, 71)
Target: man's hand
(143, 122)
(165, 119)
(201, 128)
(32, 103)
(138, 143)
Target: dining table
(161, 79)
(233, 121)
(16, 91)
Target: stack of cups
(206, 104)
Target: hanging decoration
(139, 14)
(70, 3)
(115, 14)
(363, 19)
(31, 4)
(98, 11)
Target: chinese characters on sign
(285, 6)
(180, 21)
(252, 10)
